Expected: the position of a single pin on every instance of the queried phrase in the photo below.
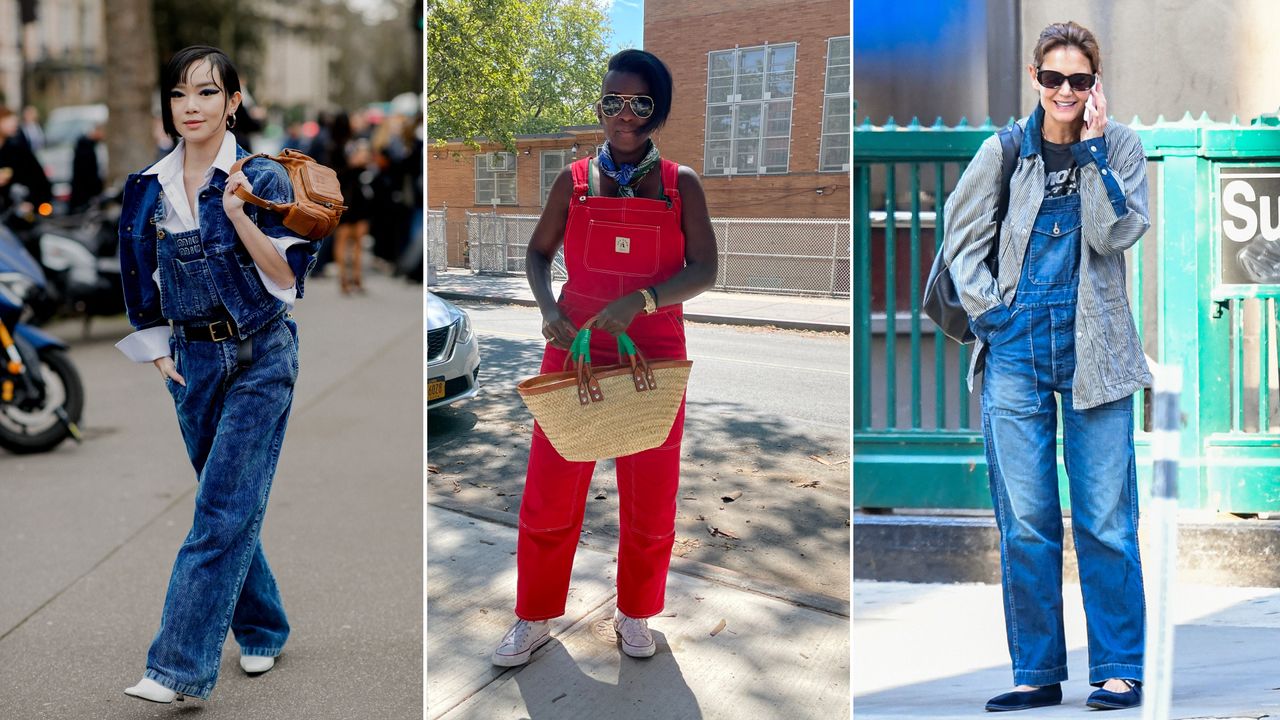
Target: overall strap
(578, 169)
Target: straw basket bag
(592, 413)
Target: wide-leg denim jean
(1031, 364)
(233, 419)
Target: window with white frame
(496, 178)
(749, 94)
(553, 161)
(834, 155)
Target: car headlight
(14, 288)
(464, 329)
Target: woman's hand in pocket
(168, 370)
(989, 323)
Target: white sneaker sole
(519, 658)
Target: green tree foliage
(500, 67)
(568, 62)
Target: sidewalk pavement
(727, 649)
(939, 651)
(724, 308)
(88, 532)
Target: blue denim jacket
(216, 261)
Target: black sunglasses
(1052, 80)
(641, 105)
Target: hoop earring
(231, 121)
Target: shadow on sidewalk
(788, 525)
(646, 688)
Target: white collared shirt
(151, 343)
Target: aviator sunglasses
(611, 105)
(1052, 80)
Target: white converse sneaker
(256, 664)
(520, 641)
(149, 689)
(637, 641)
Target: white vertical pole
(1162, 523)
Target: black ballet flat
(1026, 699)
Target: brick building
(761, 112)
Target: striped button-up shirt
(1110, 363)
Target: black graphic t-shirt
(1060, 169)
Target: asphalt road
(88, 533)
(767, 417)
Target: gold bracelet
(650, 305)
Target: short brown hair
(1071, 34)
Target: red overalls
(612, 246)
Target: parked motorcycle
(80, 256)
(41, 396)
(78, 253)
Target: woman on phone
(637, 243)
(208, 282)
(1053, 321)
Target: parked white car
(453, 355)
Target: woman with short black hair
(636, 286)
(208, 282)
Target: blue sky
(626, 19)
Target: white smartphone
(1090, 110)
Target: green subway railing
(915, 442)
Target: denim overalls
(1032, 356)
(232, 413)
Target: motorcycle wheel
(25, 432)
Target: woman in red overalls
(637, 243)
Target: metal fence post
(1162, 520)
(1185, 267)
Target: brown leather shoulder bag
(317, 195)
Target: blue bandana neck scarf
(627, 175)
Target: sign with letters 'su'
(1249, 208)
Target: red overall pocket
(622, 248)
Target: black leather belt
(210, 332)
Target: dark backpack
(941, 299)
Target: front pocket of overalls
(1010, 383)
(193, 288)
(622, 248)
(1053, 252)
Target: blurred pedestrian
(348, 240)
(24, 168)
(294, 139)
(209, 284)
(86, 176)
(31, 130)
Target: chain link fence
(756, 255)
(497, 244)
(437, 244)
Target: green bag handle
(581, 346)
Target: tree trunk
(132, 84)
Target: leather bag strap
(246, 194)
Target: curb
(691, 317)
(692, 568)
(932, 549)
